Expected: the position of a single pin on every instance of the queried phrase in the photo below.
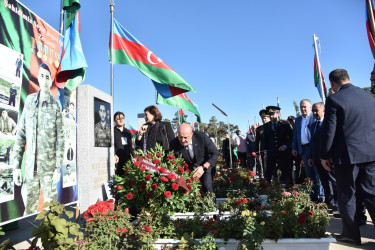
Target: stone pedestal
(95, 164)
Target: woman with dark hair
(154, 131)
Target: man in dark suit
(327, 178)
(277, 142)
(348, 133)
(301, 146)
(225, 150)
(252, 160)
(259, 142)
(199, 153)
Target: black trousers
(328, 181)
(282, 158)
(206, 179)
(347, 190)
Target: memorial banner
(38, 120)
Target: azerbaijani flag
(180, 101)
(72, 68)
(369, 25)
(128, 50)
(182, 117)
(317, 80)
(132, 130)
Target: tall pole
(61, 17)
(370, 14)
(112, 10)
(319, 69)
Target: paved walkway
(22, 235)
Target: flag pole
(61, 17)
(112, 10)
(370, 14)
(319, 69)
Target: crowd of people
(331, 144)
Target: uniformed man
(12, 95)
(102, 130)
(277, 142)
(41, 128)
(7, 124)
(259, 143)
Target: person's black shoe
(344, 239)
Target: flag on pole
(128, 50)
(180, 101)
(132, 130)
(278, 102)
(317, 80)
(370, 25)
(182, 117)
(72, 68)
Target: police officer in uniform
(278, 139)
(259, 144)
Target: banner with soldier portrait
(37, 119)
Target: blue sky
(237, 54)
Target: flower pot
(303, 243)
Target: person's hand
(283, 148)
(294, 153)
(116, 159)
(327, 164)
(143, 129)
(56, 176)
(199, 171)
(17, 177)
(310, 163)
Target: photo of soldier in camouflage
(41, 128)
(102, 127)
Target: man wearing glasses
(123, 143)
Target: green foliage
(296, 107)
(54, 231)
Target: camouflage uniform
(102, 135)
(7, 126)
(45, 149)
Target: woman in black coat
(154, 131)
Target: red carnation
(189, 187)
(158, 155)
(171, 157)
(185, 164)
(162, 170)
(154, 186)
(143, 186)
(164, 179)
(149, 195)
(137, 163)
(149, 156)
(301, 218)
(122, 231)
(174, 186)
(167, 194)
(245, 200)
(181, 169)
(171, 176)
(310, 212)
(119, 187)
(129, 196)
(147, 229)
(239, 201)
(148, 177)
(156, 161)
(253, 154)
(252, 173)
(143, 168)
(188, 180)
(132, 183)
(173, 162)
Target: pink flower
(287, 194)
(296, 193)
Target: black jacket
(160, 132)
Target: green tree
(296, 107)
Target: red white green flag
(128, 50)
(180, 101)
(370, 25)
(317, 80)
(182, 117)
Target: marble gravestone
(95, 164)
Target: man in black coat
(199, 153)
(225, 149)
(348, 133)
(259, 142)
(327, 178)
(278, 139)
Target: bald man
(199, 153)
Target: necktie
(317, 126)
(191, 151)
